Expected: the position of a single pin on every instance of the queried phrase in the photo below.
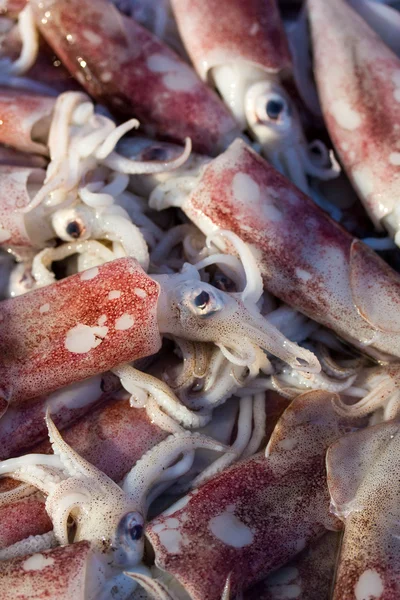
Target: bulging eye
(272, 108)
(205, 302)
(131, 528)
(72, 224)
(75, 229)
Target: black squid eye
(136, 532)
(274, 109)
(155, 153)
(201, 301)
(74, 229)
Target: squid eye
(155, 153)
(202, 300)
(274, 108)
(74, 229)
(131, 527)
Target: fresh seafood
(199, 330)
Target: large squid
(113, 314)
(241, 49)
(305, 258)
(358, 80)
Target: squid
(113, 314)
(257, 515)
(74, 200)
(131, 71)
(241, 49)
(109, 517)
(358, 80)
(363, 480)
(306, 259)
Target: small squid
(241, 49)
(111, 518)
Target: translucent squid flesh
(131, 71)
(363, 480)
(306, 259)
(358, 80)
(96, 320)
(255, 516)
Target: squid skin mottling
(363, 479)
(306, 259)
(130, 70)
(60, 573)
(228, 31)
(76, 328)
(358, 79)
(257, 515)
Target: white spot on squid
(245, 189)
(396, 81)
(158, 63)
(288, 443)
(394, 159)
(114, 294)
(4, 235)
(37, 562)
(227, 528)
(369, 586)
(345, 116)
(254, 29)
(106, 77)
(89, 274)
(125, 321)
(82, 338)
(171, 539)
(44, 308)
(179, 82)
(363, 180)
(304, 275)
(102, 320)
(92, 37)
(139, 292)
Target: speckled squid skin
(55, 574)
(308, 577)
(257, 515)
(306, 259)
(363, 477)
(358, 80)
(14, 197)
(127, 68)
(113, 437)
(20, 111)
(78, 327)
(228, 31)
(22, 518)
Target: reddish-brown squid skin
(125, 67)
(60, 573)
(80, 326)
(228, 31)
(279, 505)
(306, 259)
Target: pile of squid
(200, 300)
